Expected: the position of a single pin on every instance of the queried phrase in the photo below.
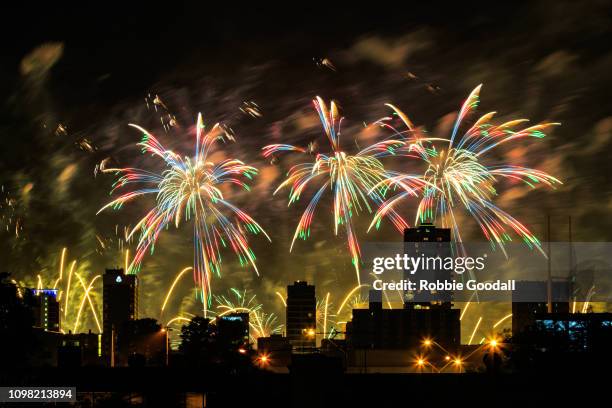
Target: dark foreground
(153, 387)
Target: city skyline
(56, 90)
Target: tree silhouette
(198, 342)
(16, 331)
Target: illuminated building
(301, 315)
(45, 308)
(120, 305)
(578, 332)
(233, 329)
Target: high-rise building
(301, 315)
(428, 241)
(120, 304)
(426, 314)
(45, 308)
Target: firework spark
(325, 317)
(178, 277)
(86, 297)
(189, 188)
(262, 324)
(459, 176)
(352, 179)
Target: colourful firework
(169, 293)
(459, 176)
(190, 188)
(262, 324)
(352, 179)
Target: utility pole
(112, 356)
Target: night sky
(91, 69)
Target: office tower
(120, 305)
(426, 314)
(45, 308)
(234, 329)
(427, 241)
(301, 315)
(530, 301)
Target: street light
(263, 360)
(427, 342)
(164, 331)
(494, 343)
(458, 363)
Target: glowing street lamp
(263, 360)
(420, 363)
(309, 332)
(458, 363)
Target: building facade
(389, 329)
(233, 329)
(301, 313)
(45, 308)
(426, 240)
(120, 305)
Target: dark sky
(547, 61)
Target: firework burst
(459, 176)
(352, 179)
(262, 324)
(190, 189)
